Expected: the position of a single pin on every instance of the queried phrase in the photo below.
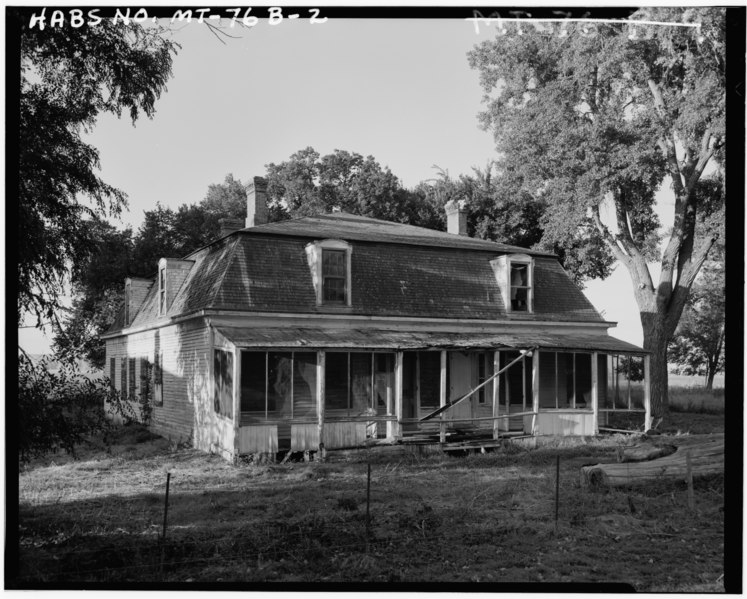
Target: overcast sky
(400, 90)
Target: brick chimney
(456, 217)
(135, 291)
(256, 202)
(229, 225)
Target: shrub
(57, 410)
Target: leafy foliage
(698, 344)
(68, 77)
(308, 183)
(57, 410)
(592, 125)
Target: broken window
(430, 378)
(520, 287)
(484, 372)
(565, 380)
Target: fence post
(165, 517)
(368, 504)
(690, 490)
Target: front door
(460, 375)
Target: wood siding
(187, 411)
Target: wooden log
(707, 458)
(645, 452)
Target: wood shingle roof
(397, 270)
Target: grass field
(483, 518)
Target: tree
(97, 285)
(68, 77)
(698, 344)
(499, 210)
(98, 278)
(597, 121)
(57, 410)
(308, 183)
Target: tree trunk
(655, 341)
(709, 379)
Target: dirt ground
(479, 518)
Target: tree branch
(608, 237)
(689, 270)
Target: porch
(291, 399)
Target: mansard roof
(397, 270)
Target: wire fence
(346, 531)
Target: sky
(400, 90)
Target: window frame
(131, 378)
(161, 290)
(529, 263)
(315, 255)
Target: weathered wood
(706, 454)
(645, 452)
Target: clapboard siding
(186, 383)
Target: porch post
(236, 401)
(496, 393)
(595, 391)
(535, 390)
(647, 391)
(320, 363)
(398, 363)
(442, 396)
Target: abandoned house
(336, 330)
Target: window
(565, 380)
(520, 287)
(145, 382)
(429, 369)
(162, 291)
(132, 386)
(514, 275)
(158, 379)
(128, 293)
(112, 373)
(223, 382)
(330, 265)
(333, 276)
(283, 384)
(123, 378)
(484, 372)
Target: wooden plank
(258, 438)
(471, 392)
(496, 393)
(442, 394)
(320, 364)
(535, 390)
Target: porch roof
(312, 338)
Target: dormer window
(161, 291)
(514, 274)
(334, 273)
(520, 287)
(329, 261)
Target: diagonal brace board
(453, 402)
